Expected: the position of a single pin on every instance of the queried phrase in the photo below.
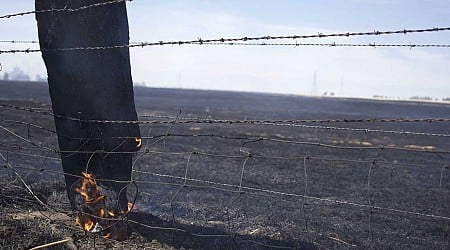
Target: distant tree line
(17, 74)
(414, 98)
(427, 98)
(422, 98)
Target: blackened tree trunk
(90, 85)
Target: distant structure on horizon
(16, 74)
(179, 80)
(314, 85)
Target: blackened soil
(243, 193)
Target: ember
(97, 211)
(132, 207)
(138, 141)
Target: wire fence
(276, 183)
(239, 41)
(283, 123)
(294, 45)
(178, 172)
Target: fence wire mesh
(266, 186)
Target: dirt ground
(25, 223)
(236, 191)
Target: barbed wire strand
(282, 123)
(308, 143)
(279, 140)
(19, 41)
(345, 120)
(48, 111)
(333, 44)
(293, 125)
(308, 157)
(201, 41)
(212, 154)
(66, 9)
(297, 44)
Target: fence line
(65, 9)
(231, 156)
(349, 120)
(281, 123)
(249, 140)
(19, 41)
(49, 111)
(201, 41)
(365, 130)
(296, 44)
(237, 191)
(333, 44)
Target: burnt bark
(90, 84)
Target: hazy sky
(396, 72)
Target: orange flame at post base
(93, 215)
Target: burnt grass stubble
(251, 219)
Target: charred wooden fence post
(87, 86)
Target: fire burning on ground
(98, 210)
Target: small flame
(94, 209)
(88, 225)
(132, 207)
(101, 213)
(93, 199)
(77, 220)
(84, 194)
(88, 180)
(138, 141)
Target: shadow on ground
(180, 235)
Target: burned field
(230, 183)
